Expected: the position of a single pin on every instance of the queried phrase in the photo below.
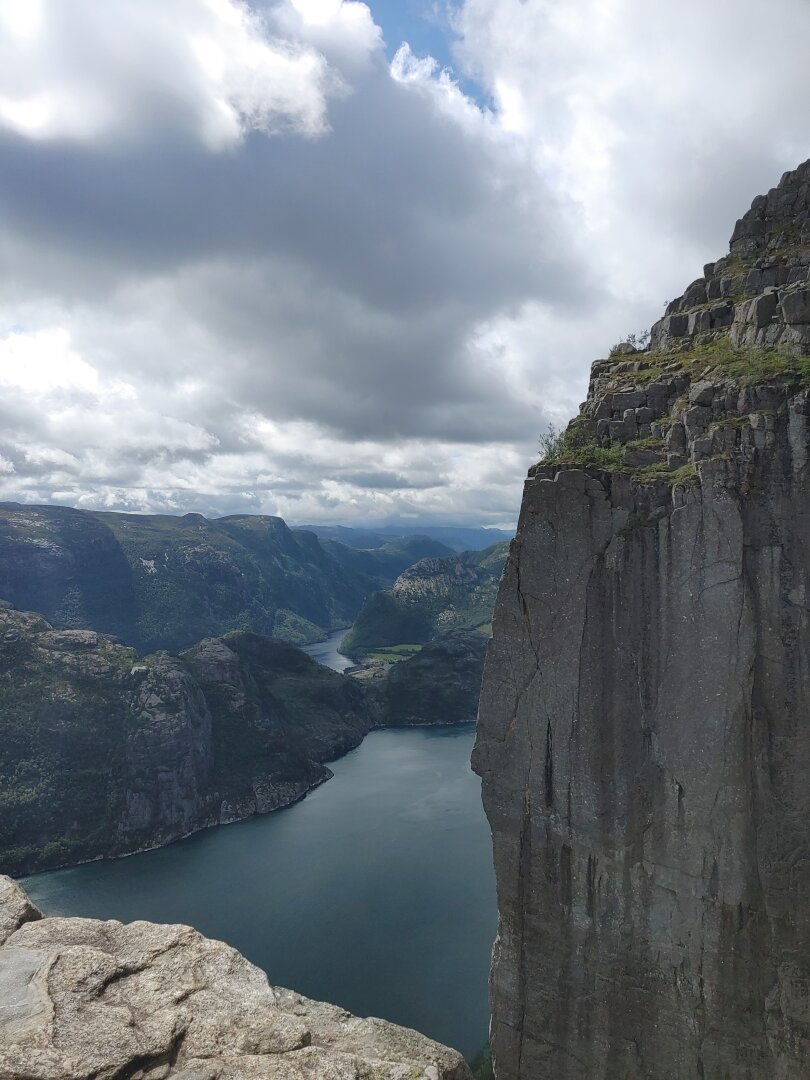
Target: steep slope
(82, 999)
(440, 685)
(431, 595)
(103, 752)
(162, 582)
(643, 737)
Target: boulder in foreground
(82, 999)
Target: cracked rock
(82, 999)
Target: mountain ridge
(163, 582)
(433, 594)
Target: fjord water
(376, 892)
(326, 652)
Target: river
(376, 892)
(326, 652)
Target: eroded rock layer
(644, 729)
(87, 1000)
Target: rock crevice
(87, 1000)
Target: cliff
(643, 733)
(104, 752)
(85, 1000)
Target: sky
(344, 262)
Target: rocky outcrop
(88, 1000)
(758, 293)
(104, 752)
(643, 733)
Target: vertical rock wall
(644, 729)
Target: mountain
(455, 537)
(433, 594)
(460, 538)
(104, 752)
(163, 582)
(379, 566)
(439, 685)
(644, 727)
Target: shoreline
(23, 878)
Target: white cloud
(662, 121)
(22, 18)
(42, 361)
(82, 71)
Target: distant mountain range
(164, 582)
(456, 537)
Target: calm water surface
(325, 652)
(375, 893)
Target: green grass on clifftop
(720, 359)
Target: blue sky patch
(425, 25)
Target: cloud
(126, 72)
(661, 120)
(249, 264)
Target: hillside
(432, 595)
(104, 752)
(439, 685)
(163, 582)
(380, 564)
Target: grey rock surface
(87, 1000)
(644, 726)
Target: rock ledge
(82, 999)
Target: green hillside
(432, 595)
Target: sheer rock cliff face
(644, 727)
(85, 1000)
